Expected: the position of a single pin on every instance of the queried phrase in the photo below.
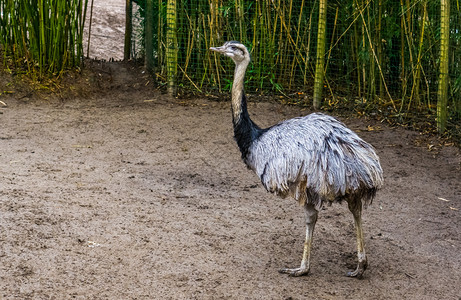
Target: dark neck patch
(245, 130)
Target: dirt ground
(111, 190)
(123, 193)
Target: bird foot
(295, 272)
(358, 273)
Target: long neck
(238, 94)
(245, 130)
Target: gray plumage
(315, 159)
(318, 154)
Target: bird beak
(217, 49)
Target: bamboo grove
(402, 55)
(41, 37)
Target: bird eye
(237, 50)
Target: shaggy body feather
(317, 150)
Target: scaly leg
(355, 206)
(311, 219)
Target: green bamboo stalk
(258, 35)
(161, 35)
(320, 61)
(275, 26)
(364, 50)
(366, 35)
(371, 90)
(240, 12)
(89, 29)
(294, 62)
(171, 47)
(355, 49)
(190, 46)
(42, 40)
(442, 93)
(417, 76)
(407, 26)
(82, 15)
(213, 40)
(332, 38)
(307, 48)
(379, 48)
(403, 73)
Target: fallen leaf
(93, 244)
(443, 199)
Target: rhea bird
(315, 159)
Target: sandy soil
(122, 193)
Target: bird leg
(355, 206)
(311, 219)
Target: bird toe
(296, 272)
(358, 273)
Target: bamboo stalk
(417, 76)
(293, 64)
(355, 50)
(320, 61)
(371, 87)
(403, 75)
(442, 93)
(376, 59)
(212, 40)
(308, 47)
(171, 47)
(364, 50)
(41, 41)
(332, 37)
(380, 46)
(89, 29)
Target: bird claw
(296, 272)
(358, 273)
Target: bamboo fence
(374, 50)
(403, 56)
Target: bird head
(235, 50)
